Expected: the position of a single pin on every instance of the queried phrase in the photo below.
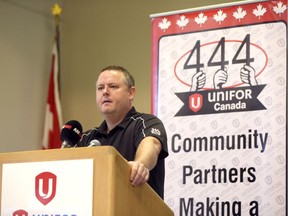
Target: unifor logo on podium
(20, 212)
(45, 187)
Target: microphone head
(71, 132)
(94, 143)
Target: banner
(49, 188)
(219, 78)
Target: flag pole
(56, 11)
(53, 114)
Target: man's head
(115, 91)
(129, 78)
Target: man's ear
(132, 92)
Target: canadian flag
(53, 115)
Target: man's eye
(100, 88)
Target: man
(140, 138)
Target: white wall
(26, 37)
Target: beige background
(94, 34)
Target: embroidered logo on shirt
(155, 131)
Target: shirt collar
(103, 127)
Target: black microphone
(71, 134)
(94, 143)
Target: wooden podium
(113, 194)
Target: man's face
(113, 97)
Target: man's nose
(106, 90)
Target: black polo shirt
(126, 137)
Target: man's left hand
(139, 173)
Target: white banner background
(256, 182)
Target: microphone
(94, 143)
(71, 134)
